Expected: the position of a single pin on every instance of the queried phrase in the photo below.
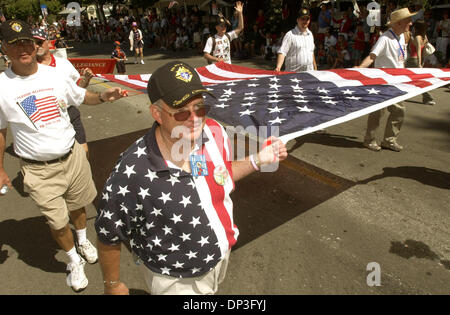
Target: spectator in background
(345, 25)
(136, 42)
(254, 40)
(120, 57)
(443, 29)
(329, 40)
(431, 25)
(343, 57)
(260, 19)
(324, 21)
(415, 57)
(359, 45)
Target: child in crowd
(321, 55)
(120, 57)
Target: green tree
(20, 9)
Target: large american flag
(304, 102)
(43, 109)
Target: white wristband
(254, 164)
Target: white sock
(73, 256)
(81, 235)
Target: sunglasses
(23, 42)
(39, 42)
(200, 111)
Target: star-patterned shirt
(177, 224)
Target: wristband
(255, 161)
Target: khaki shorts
(60, 187)
(207, 284)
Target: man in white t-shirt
(65, 67)
(297, 48)
(57, 175)
(390, 51)
(218, 47)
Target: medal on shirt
(63, 105)
(220, 175)
(198, 165)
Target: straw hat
(399, 15)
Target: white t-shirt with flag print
(35, 108)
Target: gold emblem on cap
(16, 27)
(183, 74)
(304, 11)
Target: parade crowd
(341, 39)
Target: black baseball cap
(175, 83)
(220, 20)
(303, 12)
(15, 30)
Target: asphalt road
(311, 228)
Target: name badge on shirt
(198, 165)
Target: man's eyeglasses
(38, 42)
(200, 110)
(22, 42)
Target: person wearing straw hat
(390, 51)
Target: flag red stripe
(212, 76)
(408, 73)
(216, 131)
(421, 84)
(217, 198)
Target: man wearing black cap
(65, 67)
(169, 194)
(57, 175)
(218, 47)
(297, 48)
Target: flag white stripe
(334, 77)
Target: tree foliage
(22, 9)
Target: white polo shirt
(298, 49)
(391, 50)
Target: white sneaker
(76, 277)
(88, 251)
(142, 62)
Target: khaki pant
(207, 284)
(393, 124)
(60, 187)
